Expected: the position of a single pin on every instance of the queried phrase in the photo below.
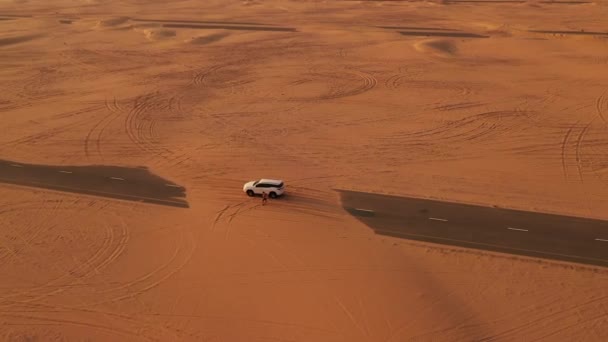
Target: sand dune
(208, 39)
(440, 47)
(110, 22)
(129, 127)
(5, 41)
(160, 34)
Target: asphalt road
(131, 184)
(526, 233)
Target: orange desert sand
(497, 103)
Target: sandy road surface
(494, 103)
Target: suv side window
(261, 185)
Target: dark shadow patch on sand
(65, 21)
(146, 25)
(486, 1)
(19, 39)
(566, 2)
(112, 22)
(360, 212)
(415, 28)
(15, 16)
(124, 183)
(212, 38)
(580, 33)
(201, 22)
(540, 235)
(443, 47)
(224, 27)
(153, 34)
(442, 34)
(7, 19)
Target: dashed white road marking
(61, 171)
(87, 192)
(117, 178)
(16, 165)
(603, 240)
(366, 210)
(438, 219)
(518, 229)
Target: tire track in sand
(226, 77)
(112, 329)
(564, 149)
(578, 144)
(342, 84)
(95, 134)
(44, 135)
(601, 106)
(200, 78)
(40, 87)
(231, 211)
(138, 121)
(367, 83)
(29, 227)
(106, 253)
(574, 140)
(552, 316)
(285, 260)
(394, 82)
(90, 317)
(141, 122)
(183, 249)
(9, 247)
(470, 128)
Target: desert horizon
(445, 167)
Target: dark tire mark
(222, 76)
(52, 132)
(218, 216)
(68, 277)
(564, 150)
(341, 84)
(601, 105)
(579, 142)
(368, 83)
(459, 106)
(467, 129)
(99, 128)
(142, 121)
(405, 73)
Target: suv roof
(270, 181)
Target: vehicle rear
(280, 189)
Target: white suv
(273, 187)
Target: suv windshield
(256, 182)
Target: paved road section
(533, 234)
(131, 184)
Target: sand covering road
(491, 103)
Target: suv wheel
(250, 193)
(273, 195)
